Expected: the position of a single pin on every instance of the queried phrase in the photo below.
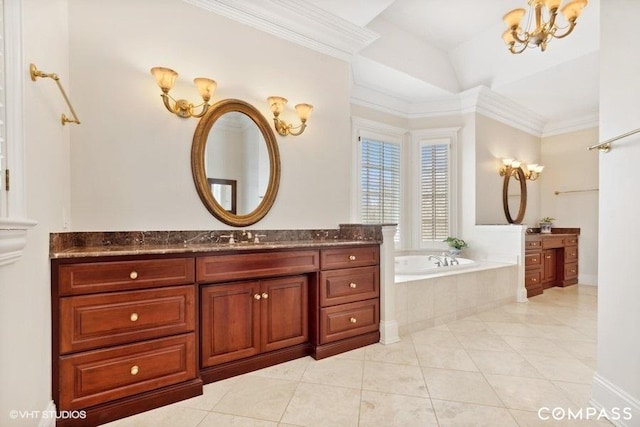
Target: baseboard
(624, 409)
(49, 421)
(389, 332)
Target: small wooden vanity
(136, 331)
(551, 260)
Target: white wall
(25, 319)
(494, 141)
(571, 168)
(131, 158)
(617, 381)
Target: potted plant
(545, 224)
(455, 244)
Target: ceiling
(407, 55)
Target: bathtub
(412, 265)
(427, 295)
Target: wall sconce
(166, 77)
(532, 171)
(277, 103)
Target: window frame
(420, 138)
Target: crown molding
(483, 100)
(588, 121)
(304, 24)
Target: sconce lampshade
(277, 103)
(165, 77)
(206, 87)
(303, 110)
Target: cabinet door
(230, 322)
(549, 270)
(284, 312)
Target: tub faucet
(439, 261)
(231, 238)
(452, 259)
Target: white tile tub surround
(428, 301)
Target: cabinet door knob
(133, 275)
(573, 271)
(135, 370)
(535, 260)
(534, 280)
(265, 295)
(352, 257)
(256, 296)
(353, 285)
(353, 320)
(134, 317)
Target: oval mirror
(235, 163)
(516, 197)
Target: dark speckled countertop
(96, 244)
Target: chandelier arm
(302, 127)
(518, 39)
(167, 104)
(514, 51)
(572, 25)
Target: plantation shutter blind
(380, 182)
(434, 192)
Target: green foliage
(547, 219)
(454, 242)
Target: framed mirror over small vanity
(235, 163)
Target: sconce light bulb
(277, 103)
(507, 162)
(303, 110)
(206, 87)
(515, 164)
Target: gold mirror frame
(198, 170)
(519, 175)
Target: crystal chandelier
(519, 38)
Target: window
(434, 192)
(379, 181)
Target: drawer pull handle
(265, 295)
(572, 254)
(535, 260)
(353, 285)
(534, 280)
(134, 317)
(256, 296)
(353, 320)
(548, 257)
(352, 257)
(133, 275)
(573, 271)
(135, 370)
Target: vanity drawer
(98, 320)
(94, 377)
(571, 270)
(533, 244)
(244, 266)
(570, 254)
(533, 260)
(349, 285)
(348, 320)
(349, 257)
(573, 240)
(93, 277)
(533, 279)
(552, 242)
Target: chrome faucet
(452, 259)
(439, 261)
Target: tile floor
(495, 368)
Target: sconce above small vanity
(166, 78)
(277, 104)
(531, 171)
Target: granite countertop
(117, 243)
(115, 250)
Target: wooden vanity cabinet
(131, 333)
(349, 302)
(124, 336)
(550, 260)
(243, 319)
